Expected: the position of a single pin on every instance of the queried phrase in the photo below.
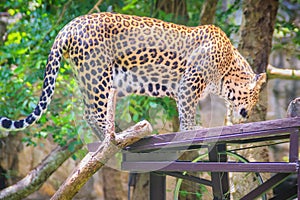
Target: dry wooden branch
(112, 144)
(95, 7)
(289, 74)
(34, 180)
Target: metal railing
(159, 153)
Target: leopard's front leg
(186, 111)
(187, 100)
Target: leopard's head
(246, 99)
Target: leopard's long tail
(51, 72)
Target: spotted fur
(147, 56)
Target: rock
(294, 108)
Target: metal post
(294, 155)
(157, 186)
(298, 184)
(294, 146)
(219, 180)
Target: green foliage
(194, 10)
(23, 58)
(135, 7)
(135, 108)
(225, 16)
(287, 31)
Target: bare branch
(289, 74)
(36, 177)
(93, 161)
(110, 118)
(95, 7)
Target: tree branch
(93, 161)
(288, 74)
(95, 7)
(36, 177)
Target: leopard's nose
(244, 113)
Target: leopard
(147, 56)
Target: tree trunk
(112, 184)
(208, 11)
(142, 187)
(256, 32)
(255, 44)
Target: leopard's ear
(258, 81)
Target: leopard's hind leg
(95, 82)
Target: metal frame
(215, 139)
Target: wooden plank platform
(148, 154)
(159, 154)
